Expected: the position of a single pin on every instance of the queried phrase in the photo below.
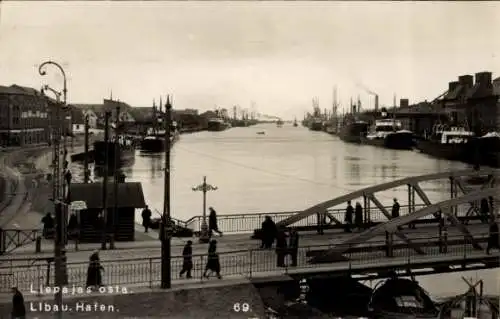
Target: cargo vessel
(389, 133)
(450, 143)
(217, 125)
(120, 152)
(353, 132)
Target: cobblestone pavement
(202, 302)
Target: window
(16, 113)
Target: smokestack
(376, 102)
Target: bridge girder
(392, 225)
(368, 193)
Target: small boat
(261, 133)
(471, 304)
(401, 299)
(295, 124)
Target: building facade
(24, 119)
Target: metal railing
(146, 272)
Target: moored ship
(401, 298)
(217, 125)
(450, 143)
(389, 133)
(354, 131)
(316, 124)
(155, 142)
(485, 150)
(120, 152)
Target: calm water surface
(288, 168)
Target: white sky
(279, 54)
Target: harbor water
(287, 169)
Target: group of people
(212, 265)
(357, 214)
(49, 225)
(270, 232)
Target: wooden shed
(130, 197)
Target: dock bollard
(38, 244)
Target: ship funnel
(376, 102)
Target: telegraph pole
(104, 217)
(86, 158)
(115, 175)
(166, 276)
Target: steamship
(119, 152)
(389, 133)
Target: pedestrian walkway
(226, 243)
(142, 267)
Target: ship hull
(484, 151)
(155, 145)
(217, 127)
(116, 154)
(395, 141)
(316, 126)
(354, 132)
(451, 152)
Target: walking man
(18, 308)
(281, 249)
(493, 238)
(268, 233)
(293, 247)
(146, 218)
(349, 212)
(187, 263)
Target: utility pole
(104, 217)
(115, 175)
(86, 158)
(166, 276)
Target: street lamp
(166, 227)
(204, 187)
(59, 196)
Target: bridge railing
(146, 272)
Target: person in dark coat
(268, 233)
(94, 276)
(358, 216)
(349, 212)
(18, 308)
(395, 209)
(72, 226)
(146, 218)
(281, 247)
(213, 262)
(293, 246)
(484, 210)
(212, 222)
(48, 225)
(187, 263)
(493, 238)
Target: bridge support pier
(443, 235)
(411, 203)
(389, 240)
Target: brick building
(473, 101)
(24, 118)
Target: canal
(285, 169)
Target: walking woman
(94, 276)
(212, 222)
(213, 263)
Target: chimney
(484, 79)
(452, 86)
(466, 80)
(404, 103)
(376, 102)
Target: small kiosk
(91, 219)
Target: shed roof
(130, 194)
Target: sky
(278, 54)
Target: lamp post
(59, 196)
(166, 231)
(204, 187)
